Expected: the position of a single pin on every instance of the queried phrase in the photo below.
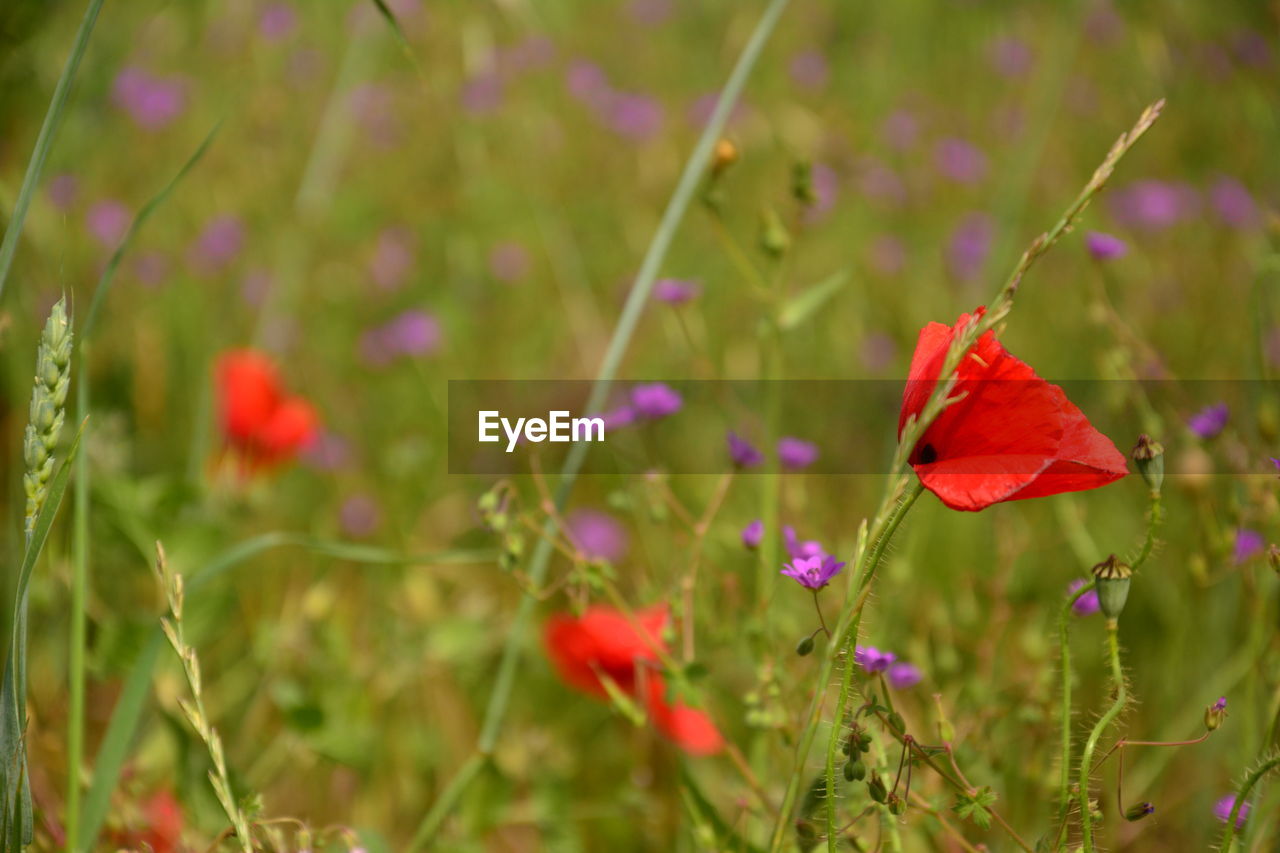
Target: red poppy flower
(260, 421)
(603, 643)
(160, 827)
(1012, 436)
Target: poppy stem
(1086, 758)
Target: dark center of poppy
(928, 454)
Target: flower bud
(1148, 456)
(724, 156)
(897, 805)
(805, 646)
(774, 238)
(876, 788)
(1215, 714)
(855, 770)
(1112, 578)
(1138, 811)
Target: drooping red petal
(690, 729)
(1012, 435)
(289, 428)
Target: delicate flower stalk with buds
(172, 585)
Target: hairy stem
(1242, 797)
(1086, 758)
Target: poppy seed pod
(1148, 456)
(1112, 578)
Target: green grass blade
(44, 141)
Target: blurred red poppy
(1012, 435)
(260, 421)
(603, 643)
(160, 828)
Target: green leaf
(975, 808)
(805, 304)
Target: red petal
(290, 427)
(603, 640)
(689, 728)
(248, 392)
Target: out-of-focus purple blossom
(360, 516)
(587, 82)
(903, 675)
(633, 116)
(900, 130)
(878, 181)
(654, 400)
(328, 451)
(797, 549)
(277, 21)
(151, 268)
(826, 186)
(1103, 24)
(1010, 56)
(619, 417)
(530, 53)
(1086, 604)
(1251, 48)
(887, 255)
(412, 333)
(741, 451)
(1233, 203)
(1210, 420)
(482, 93)
(812, 572)
(1222, 810)
(650, 13)
(509, 262)
(108, 222)
(959, 160)
(152, 102)
(753, 534)
(373, 106)
(255, 286)
(1249, 544)
(1152, 205)
(598, 535)
(62, 191)
(872, 659)
(1104, 247)
(217, 245)
(796, 453)
(878, 351)
(675, 291)
(969, 245)
(1273, 347)
(809, 69)
(392, 258)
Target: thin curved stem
(1086, 758)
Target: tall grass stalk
(694, 169)
(80, 501)
(44, 140)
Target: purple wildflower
(872, 659)
(108, 222)
(1233, 203)
(152, 102)
(1010, 57)
(374, 110)
(812, 572)
(619, 417)
(1249, 543)
(217, 245)
(1209, 421)
(809, 70)
(753, 534)
(414, 332)
(655, 400)
(878, 181)
(741, 451)
(1222, 810)
(878, 351)
(633, 116)
(903, 675)
(1104, 247)
(62, 191)
(277, 21)
(1085, 605)
(970, 244)
(482, 93)
(887, 255)
(675, 291)
(826, 186)
(650, 13)
(509, 262)
(255, 286)
(328, 451)
(392, 259)
(359, 516)
(900, 130)
(960, 161)
(796, 453)
(1152, 205)
(797, 549)
(598, 535)
(1220, 705)
(587, 82)
(151, 268)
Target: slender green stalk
(1064, 644)
(1086, 757)
(1242, 797)
(639, 296)
(44, 141)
